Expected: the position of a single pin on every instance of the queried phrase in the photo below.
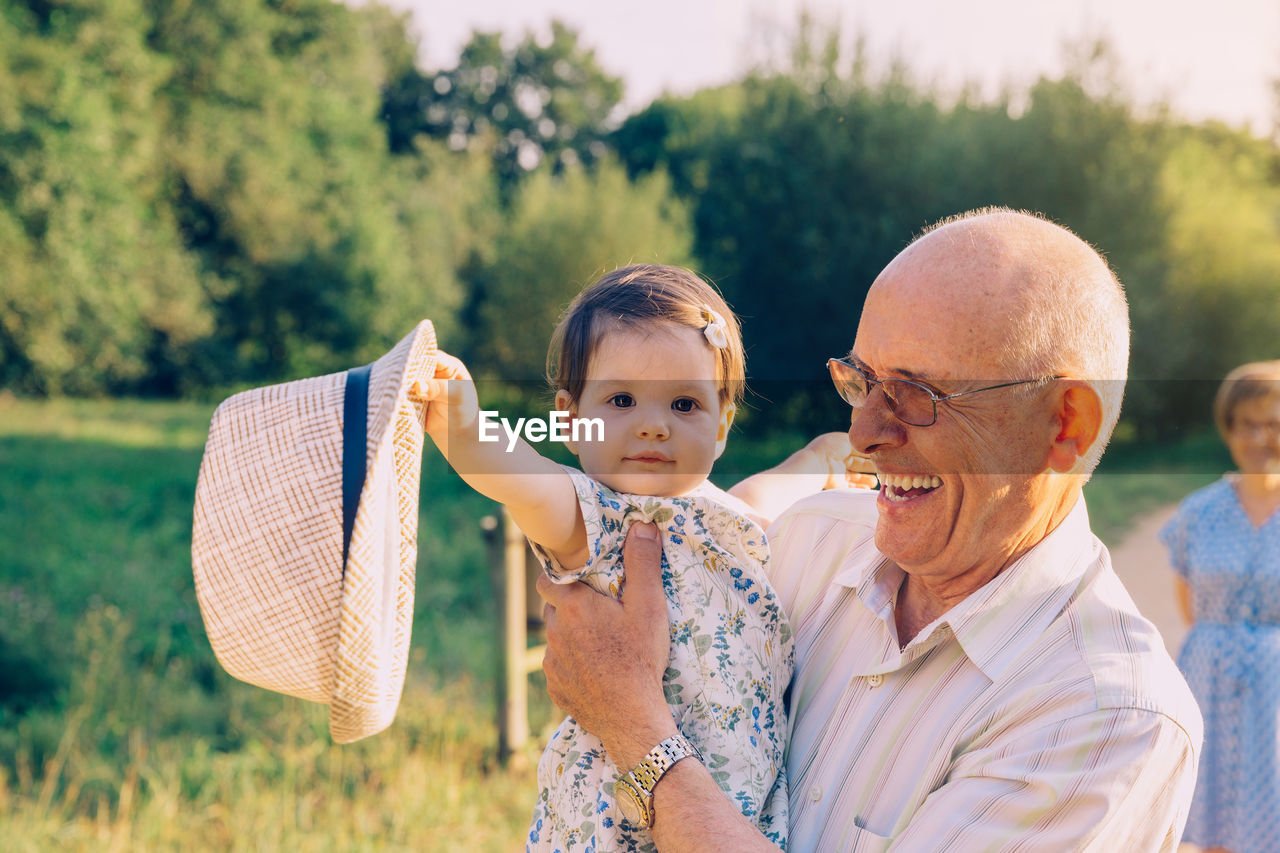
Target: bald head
(1031, 298)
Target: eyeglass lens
(909, 402)
(1258, 429)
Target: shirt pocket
(865, 841)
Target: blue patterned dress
(1231, 659)
(731, 662)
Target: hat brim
(376, 615)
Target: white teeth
(915, 481)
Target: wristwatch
(634, 790)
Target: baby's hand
(451, 398)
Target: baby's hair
(636, 296)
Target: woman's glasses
(1257, 430)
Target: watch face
(628, 804)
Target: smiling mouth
(899, 488)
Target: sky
(1208, 58)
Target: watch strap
(645, 775)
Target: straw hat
(270, 537)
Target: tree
(805, 182)
(798, 205)
(673, 134)
(532, 104)
(323, 247)
(564, 232)
(98, 293)
(1219, 305)
(196, 194)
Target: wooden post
(514, 712)
(510, 558)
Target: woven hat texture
(266, 545)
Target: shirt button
(875, 680)
(815, 793)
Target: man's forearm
(692, 814)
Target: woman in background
(1224, 542)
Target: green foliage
(96, 499)
(98, 292)
(201, 193)
(807, 184)
(672, 134)
(806, 180)
(1219, 300)
(530, 104)
(563, 233)
(287, 190)
(107, 773)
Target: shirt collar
(999, 620)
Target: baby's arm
(537, 491)
(826, 462)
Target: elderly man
(971, 675)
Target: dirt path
(1143, 564)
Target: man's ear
(727, 411)
(565, 404)
(1078, 416)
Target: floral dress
(1231, 659)
(731, 662)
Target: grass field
(118, 730)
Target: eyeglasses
(910, 402)
(1257, 430)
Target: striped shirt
(1042, 713)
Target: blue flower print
(731, 659)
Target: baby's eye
(684, 405)
(622, 401)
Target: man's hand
(604, 666)
(605, 658)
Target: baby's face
(654, 390)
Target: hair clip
(716, 330)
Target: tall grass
(120, 778)
(118, 730)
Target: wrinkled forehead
(939, 312)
